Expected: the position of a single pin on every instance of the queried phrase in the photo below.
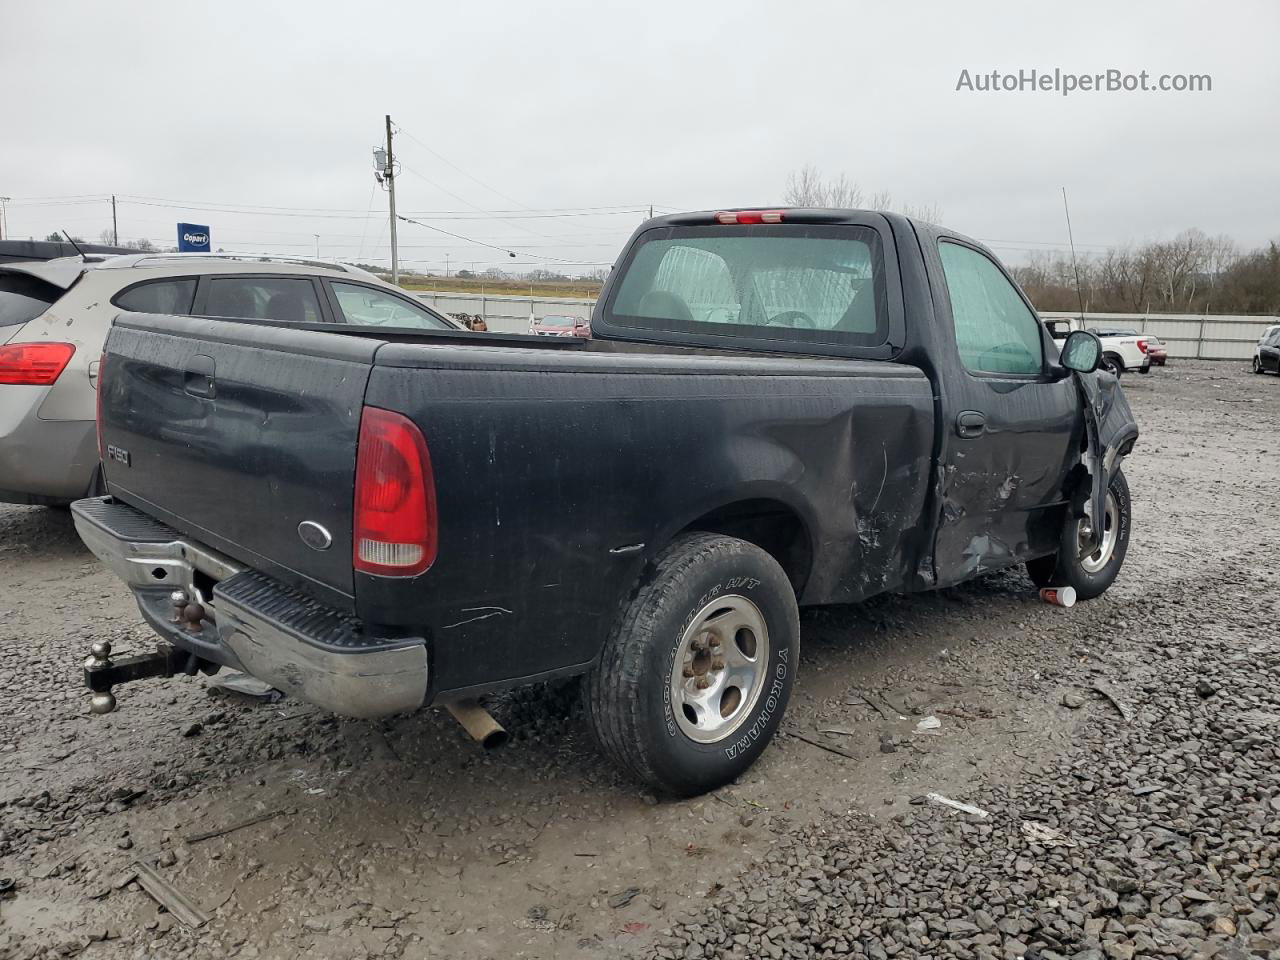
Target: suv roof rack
(138, 259)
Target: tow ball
(101, 673)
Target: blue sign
(193, 238)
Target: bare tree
(807, 187)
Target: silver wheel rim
(719, 669)
(1107, 546)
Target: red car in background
(556, 325)
(1156, 350)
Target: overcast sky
(527, 110)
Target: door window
(291, 299)
(369, 306)
(995, 331)
(159, 296)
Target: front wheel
(696, 674)
(1093, 574)
(1257, 365)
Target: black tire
(1112, 364)
(1257, 367)
(628, 696)
(1066, 569)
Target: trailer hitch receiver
(101, 673)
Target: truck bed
(553, 466)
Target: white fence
(1184, 334)
(508, 314)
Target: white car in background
(1123, 349)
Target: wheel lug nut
(703, 682)
(687, 671)
(717, 664)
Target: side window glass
(159, 296)
(368, 306)
(289, 299)
(995, 331)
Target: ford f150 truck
(776, 409)
(1123, 349)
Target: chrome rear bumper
(251, 622)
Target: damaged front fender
(1111, 432)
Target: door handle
(197, 378)
(970, 424)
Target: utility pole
(391, 190)
(446, 266)
(115, 230)
(4, 225)
(317, 236)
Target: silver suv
(54, 317)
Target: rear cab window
(787, 285)
(287, 299)
(23, 298)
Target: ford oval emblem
(315, 536)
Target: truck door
(1012, 428)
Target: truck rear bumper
(251, 622)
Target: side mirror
(1081, 352)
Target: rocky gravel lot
(1121, 756)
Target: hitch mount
(101, 673)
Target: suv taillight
(34, 364)
(394, 523)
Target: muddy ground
(403, 838)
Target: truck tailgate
(237, 433)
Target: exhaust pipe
(478, 722)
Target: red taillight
(749, 216)
(1142, 345)
(394, 525)
(34, 364)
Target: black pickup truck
(776, 408)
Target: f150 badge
(118, 454)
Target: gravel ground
(1123, 751)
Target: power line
(456, 235)
(510, 253)
(450, 163)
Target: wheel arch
(774, 525)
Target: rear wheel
(695, 677)
(1112, 364)
(1093, 574)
